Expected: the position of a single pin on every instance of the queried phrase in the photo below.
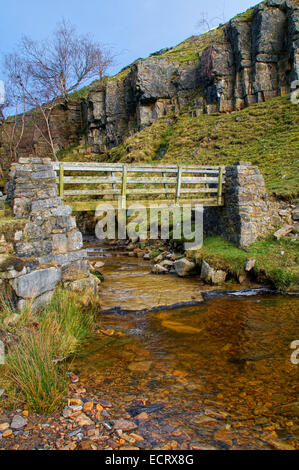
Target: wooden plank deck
(84, 186)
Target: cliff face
(252, 58)
(249, 60)
(152, 88)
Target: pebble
(4, 426)
(83, 420)
(142, 416)
(141, 366)
(75, 402)
(124, 425)
(88, 406)
(73, 378)
(136, 437)
(18, 422)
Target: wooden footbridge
(84, 186)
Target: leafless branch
(46, 72)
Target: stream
(195, 368)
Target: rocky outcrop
(257, 59)
(67, 128)
(152, 88)
(45, 248)
(252, 58)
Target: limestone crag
(152, 88)
(252, 58)
(48, 248)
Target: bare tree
(13, 128)
(105, 59)
(46, 72)
(205, 23)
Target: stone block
(61, 211)
(36, 283)
(60, 243)
(65, 222)
(74, 241)
(158, 269)
(48, 174)
(89, 283)
(37, 303)
(250, 263)
(75, 270)
(21, 207)
(62, 260)
(45, 204)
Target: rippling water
(219, 371)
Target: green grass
(31, 369)
(267, 134)
(57, 331)
(155, 253)
(282, 271)
(79, 94)
(244, 17)
(190, 49)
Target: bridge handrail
(210, 178)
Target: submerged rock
(124, 425)
(140, 366)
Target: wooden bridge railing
(145, 184)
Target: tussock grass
(31, 369)
(34, 368)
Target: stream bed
(193, 368)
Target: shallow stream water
(212, 373)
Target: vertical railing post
(113, 184)
(61, 182)
(124, 187)
(164, 175)
(220, 182)
(206, 185)
(178, 185)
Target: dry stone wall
(248, 213)
(48, 249)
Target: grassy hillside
(267, 134)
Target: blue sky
(135, 28)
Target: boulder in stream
(211, 275)
(158, 269)
(184, 267)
